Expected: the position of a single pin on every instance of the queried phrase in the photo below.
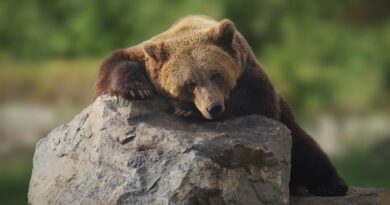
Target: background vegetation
(329, 58)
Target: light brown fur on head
(201, 72)
(200, 60)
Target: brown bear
(209, 72)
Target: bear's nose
(214, 110)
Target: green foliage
(59, 82)
(323, 55)
(71, 28)
(14, 178)
(366, 167)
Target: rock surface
(355, 196)
(120, 152)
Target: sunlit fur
(199, 61)
(197, 67)
(189, 54)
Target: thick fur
(199, 62)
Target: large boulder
(133, 152)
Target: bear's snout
(215, 110)
(209, 100)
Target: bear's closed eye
(217, 78)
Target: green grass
(49, 82)
(365, 167)
(15, 174)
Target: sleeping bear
(209, 72)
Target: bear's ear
(157, 51)
(223, 34)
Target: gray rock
(355, 196)
(121, 152)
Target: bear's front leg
(310, 166)
(127, 80)
(123, 76)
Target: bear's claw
(128, 81)
(182, 113)
(182, 109)
(132, 92)
(138, 87)
(141, 93)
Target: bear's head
(197, 68)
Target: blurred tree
(317, 51)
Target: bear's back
(187, 28)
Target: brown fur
(203, 64)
